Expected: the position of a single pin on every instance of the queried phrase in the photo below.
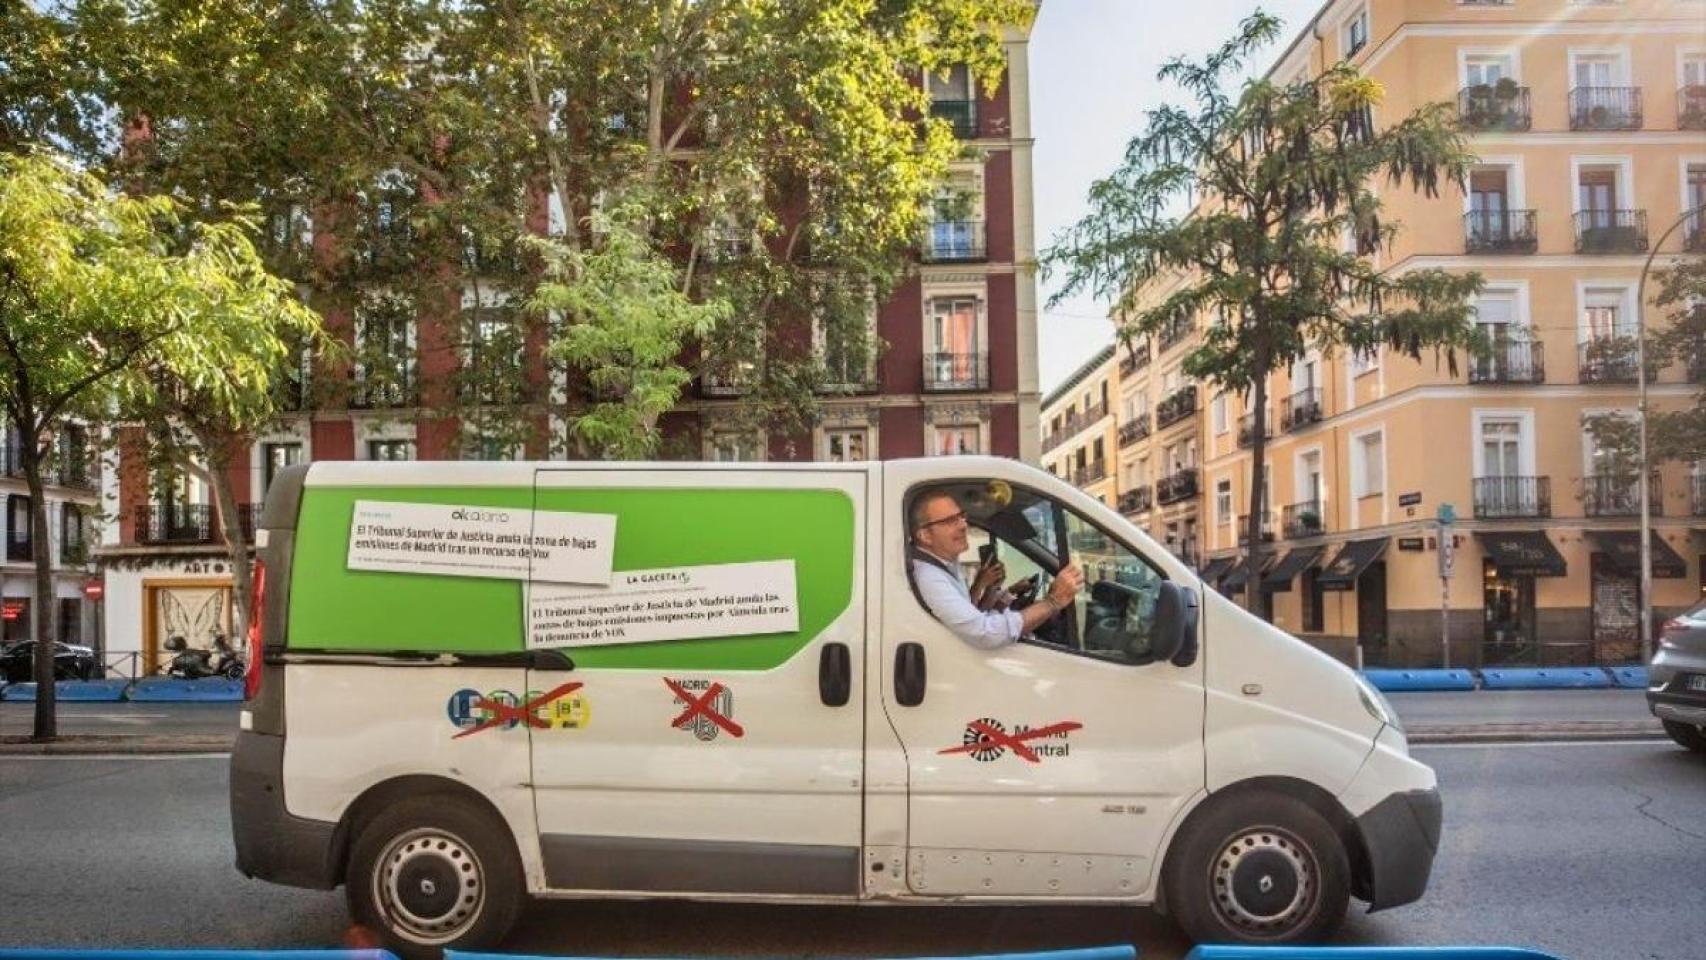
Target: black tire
(1687, 734)
(450, 877)
(1257, 868)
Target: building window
(1221, 421)
(70, 620)
(1368, 464)
(390, 449)
(1223, 501)
(963, 439)
(735, 446)
(1486, 70)
(275, 457)
(1362, 363)
(18, 541)
(846, 446)
(1354, 34)
(72, 535)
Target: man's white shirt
(948, 598)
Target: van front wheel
(435, 872)
(1257, 868)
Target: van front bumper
(1401, 836)
(271, 844)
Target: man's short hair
(924, 499)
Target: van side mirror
(1175, 635)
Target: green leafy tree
(1281, 174)
(100, 294)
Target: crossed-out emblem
(987, 740)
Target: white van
(488, 681)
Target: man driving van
(939, 530)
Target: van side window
(1116, 609)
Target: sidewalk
(1481, 716)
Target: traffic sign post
(1446, 516)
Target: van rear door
(708, 738)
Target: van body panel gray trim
(1401, 835)
(697, 866)
(272, 844)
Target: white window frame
(1685, 53)
(1360, 13)
(1222, 422)
(1512, 56)
(1517, 290)
(982, 426)
(1525, 455)
(932, 291)
(1358, 461)
(1514, 179)
(971, 82)
(1223, 514)
(1618, 54)
(870, 338)
(1299, 475)
(1625, 166)
(822, 442)
(383, 428)
(1682, 164)
(1588, 447)
(1584, 287)
(760, 438)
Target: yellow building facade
(1589, 122)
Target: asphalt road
(1588, 850)
(1478, 707)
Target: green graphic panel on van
(334, 608)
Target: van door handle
(835, 675)
(909, 674)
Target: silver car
(1677, 695)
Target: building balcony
(1511, 361)
(1187, 551)
(1094, 472)
(1266, 531)
(1174, 332)
(1137, 499)
(1181, 485)
(1247, 429)
(175, 523)
(19, 549)
(1303, 519)
(1697, 497)
(1507, 498)
(1134, 359)
(1605, 108)
(381, 390)
(1134, 430)
(1691, 108)
(1499, 231)
(955, 241)
(1614, 496)
(1178, 405)
(844, 375)
(961, 115)
(1611, 231)
(953, 372)
(725, 383)
(1607, 360)
(1300, 409)
(73, 553)
(1694, 234)
(1500, 106)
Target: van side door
(1051, 767)
(708, 739)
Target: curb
(83, 745)
(1492, 733)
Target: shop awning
(1624, 549)
(1352, 559)
(1217, 568)
(1280, 575)
(1237, 576)
(1523, 554)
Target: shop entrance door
(1507, 618)
(1371, 607)
(1616, 605)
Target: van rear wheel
(435, 872)
(1260, 868)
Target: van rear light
(257, 610)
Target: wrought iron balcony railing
(955, 241)
(1093, 472)
(175, 523)
(1134, 359)
(1137, 499)
(1607, 360)
(1302, 519)
(1266, 528)
(1511, 361)
(1614, 496)
(1611, 231)
(1504, 498)
(1605, 108)
(960, 114)
(1179, 486)
(1691, 108)
(1697, 501)
(1499, 231)
(1178, 405)
(1500, 106)
(395, 388)
(950, 372)
(1247, 428)
(1134, 430)
(1300, 409)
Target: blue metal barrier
(167, 690)
(1631, 677)
(30, 954)
(1401, 681)
(1545, 678)
(1366, 953)
(71, 691)
(1115, 952)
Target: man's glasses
(950, 518)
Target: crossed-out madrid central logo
(708, 708)
(986, 740)
(562, 709)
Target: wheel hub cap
(1264, 882)
(429, 885)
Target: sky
(1093, 65)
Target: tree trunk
(236, 550)
(46, 717)
(1258, 488)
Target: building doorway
(196, 610)
(1615, 597)
(1508, 620)
(1371, 607)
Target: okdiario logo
(481, 516)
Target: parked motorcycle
(194, 663)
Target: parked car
(70, 662)
(1677, 695)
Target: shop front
(1509, 624)
(1359, 566)
(1615, 589)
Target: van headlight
(1377, 705)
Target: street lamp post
(1645, 481)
